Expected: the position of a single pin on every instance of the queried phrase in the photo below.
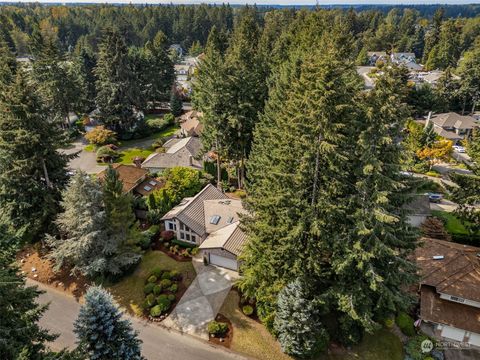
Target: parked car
(459, 148)
(434, 197)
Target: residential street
(158, 343)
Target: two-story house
(209, 220)
(449, 289)
(452, 126)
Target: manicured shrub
(217, 328)
(183, 244)
(173, 288)
(152, 279)
(166, 275)
(247, 310)
(163, 302)
(165, 283)
(175, 275)
(144, 242)
(414, 348)
(194, 251)
(171, 297)
(150, 300)
(405, 323)
(157, 272)
(167, 235)
(156, 311)
(157, 290)
(147, 289)
(389, 323)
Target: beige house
(209, 220)
(452, 126)
(190, 124)
(178, 152)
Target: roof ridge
(195, 197)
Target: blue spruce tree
(102, 333)
(297, 322)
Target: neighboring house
(190, 124)
(419, 210)
(449, 290)
(178, 48)
(135, 180)
(374, 56)
(452, 126)
(210, 220)
(178, 152)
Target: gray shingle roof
(230, 238)
(180, 152)
(192, 214)
(452, 119)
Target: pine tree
(116, 86)
(298, 322)
(176, 103)
(32, 171)
(469, 73)
(7, 63)
(298, 180)
(20, 335)
(160, 68)
(101, 331)
(119, 212)
(82, 226)
(429, 136)
(209, 97)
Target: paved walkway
(158, 343)
(202, 300)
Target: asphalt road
(158, 343)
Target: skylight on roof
(153, 182)
(147, 188)
(215, 219)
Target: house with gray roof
(452, 126)
(211, 221)
(178, 152)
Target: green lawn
(252, 339)
(452, 224)
(90, 148)
(128, 292)
(127, 156)
(169, 131)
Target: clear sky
(269, 2)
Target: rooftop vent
(438, 257)
(230, 220)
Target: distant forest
(403, 28)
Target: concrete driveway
(85, 160)
(202, 300)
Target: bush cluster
(160, 289)
(217, 328)
(247, 310)
(405, 323)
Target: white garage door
(453, 333)
(223, 262)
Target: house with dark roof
(209, 220)
(178, 152)
(449, 289)
(452, 126)
(134, 179)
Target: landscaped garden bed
(161, 287)
(129, 291)
(221, 331)
(176, 249)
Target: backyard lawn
(252, 339)
(128, 292)
(169, 131)
(127, 156)
(452, 224)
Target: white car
(459, 148)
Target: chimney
(138, 161)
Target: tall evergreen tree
(116, 86)
(176, 103)
(7, 63)
(121, 253)
(20, 335)
(160, 68)
(82, 226)
(247, 90)
(469, 73)
(101, 331)
(32, 171)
